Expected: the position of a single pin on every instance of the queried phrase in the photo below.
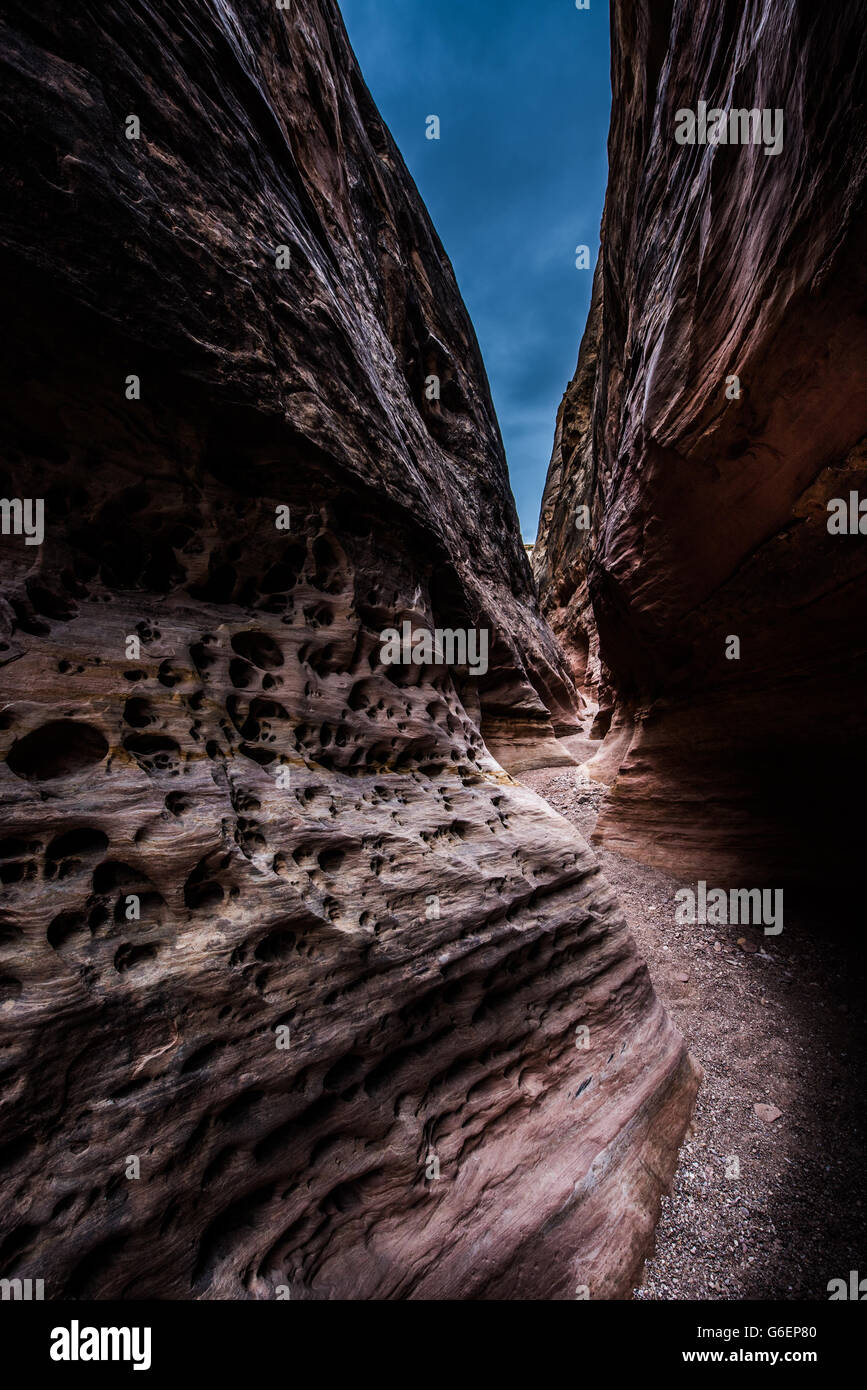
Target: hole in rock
(57, 749)
(128, 956)
(13, 848)
(77, 842)
(115, 874)
(199, 894)
(330, 860)
(242, 674)
(258, 648)
(150, 745)
(17, 873)
(64, 926)
(258, 755)
(277, 945)
(138, 713)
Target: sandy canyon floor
(775, 1022)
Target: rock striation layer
(298, 987)
(708, 498)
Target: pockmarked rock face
(301, 994)
(687, 554)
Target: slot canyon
(327, 978)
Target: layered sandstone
(708, 509)
(275, 923)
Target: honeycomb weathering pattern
(313, 842)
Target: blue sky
(515, 183)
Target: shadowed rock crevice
(707, 510)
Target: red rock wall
(709, 514)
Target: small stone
(768, 1113)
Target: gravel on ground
(767, 1203)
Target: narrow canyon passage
(309, 989)
(292, 970)
(761, 1208)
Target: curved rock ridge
(300, 992)
(717, 411)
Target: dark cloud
(516, 182)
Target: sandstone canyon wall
(708, 511)
(274, 921)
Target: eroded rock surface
(708, 513)
(275, 923)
